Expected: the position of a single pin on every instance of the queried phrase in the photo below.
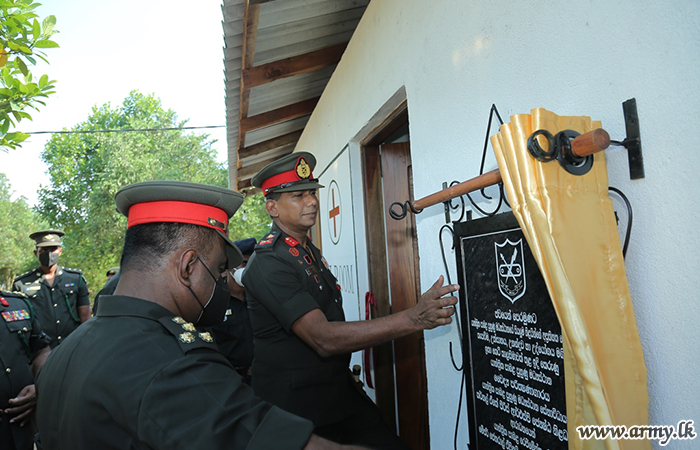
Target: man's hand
(432, 310)
(22, 406)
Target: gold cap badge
(303, 169)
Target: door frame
(401, 386)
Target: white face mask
(238, 275)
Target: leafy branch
(22, 40)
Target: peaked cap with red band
(290, 173)
(182, 202)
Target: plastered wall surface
(455, 58)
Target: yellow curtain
(569, 223)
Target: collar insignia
(206, 336)
(186, 337)
(188, 327)
(179, 320)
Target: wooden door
(393, 245)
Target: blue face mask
(214, 311)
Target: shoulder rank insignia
(267, 239)
(186, 337)
(206, 336)
(294, 251)
(188, 327)
(291, 241)
(178, 319)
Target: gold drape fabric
(569, 223)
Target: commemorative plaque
(514, 361)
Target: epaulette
(18, 295)
(11, 294)
(187, 335)
(68, 269)
(268, 241)
(29, 272)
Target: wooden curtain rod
(581, 146)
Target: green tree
(17, 220)
(86, 170)
(251, 219)
(22, 37)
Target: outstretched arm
(333, 338)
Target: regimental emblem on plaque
(510, 267)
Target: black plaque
(514, 366)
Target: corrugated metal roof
(278, 58)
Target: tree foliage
(87, 169)
(17, 221)
(251, 219)
(22, 40)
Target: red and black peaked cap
(290, 173)
(182, 202)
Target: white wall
(457, 57)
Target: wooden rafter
(248, 171)
(283, 114)
(287, 67)
(269, 145)
(252, 16)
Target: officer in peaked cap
(59, 295)
(146, 352)
(301, 340)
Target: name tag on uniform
(12, 316)
(32, 288)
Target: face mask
(238, 276)
(214, 311)
(48, 259)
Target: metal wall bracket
(633, 141)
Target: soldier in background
(23, 350)
(235, 336)
(108, 288)
(59, 295)
(112, 272)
